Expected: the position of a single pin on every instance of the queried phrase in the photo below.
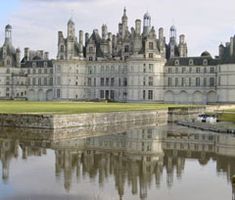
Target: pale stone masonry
(135, 64)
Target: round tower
(8, 32)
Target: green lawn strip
(77, 107)
(229, 117)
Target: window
(212, 70)
(190, 81)
(58, 80)
(150, 67)
(190, 62)
(190, 69)
(102, 94)
(45, 64)
(34, 64)
(219, 81)
(51, 81)
(45, 81)
(150, 81)
(212, 82)
(91, 49)
(197, 81)
(125, 82)
(89, 82)
(182, 82)
(39, 81)
(144, 68)
(126, 49)
(176, 70)
(144, 94)
(34, 81)
(205, 62)
(176, 82)
(144, 80)
(120, 82)
(150, 94)
(150, 55)
(204, 81)
(151, 45)
(169, 81)
(177, 62)
(94, 81)
(101, 81)
(169, 70)
(183, 69)
(90, 58)
(205, 70)
(45, 71)
(107, 82)
(39, 71)
(198, 70)
(58, 93)
(112, 81)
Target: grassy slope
(73, 107)
(229, 117)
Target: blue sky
(36, 22)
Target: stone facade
(135, 64)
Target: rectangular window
(190, 81)
(45, 81)
(176, 82)
(144, 81)
(112, 81)
(107, 82)
(58, 80)
(204, 82)
(94, 81)
(150, 81)
(169, 70)
(125, 82)
(197, 82)
(150, 55)
(101, 81)
(89, 82)
(150, 67)
(58, 93)
(102, 94)
(150, 94)
(183, 70)
(120, 82)
(183, 82)
(151, 45)
(144, 95)
(212, 82)
(198, 70)
(212, 70)
(169, 81)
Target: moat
(165, 162)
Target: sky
(206, 23)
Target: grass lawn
(229, 117)
(75, 107)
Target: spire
(8, 31)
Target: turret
(81, 37)
(104, 31)
(71, 29)
(147, 24)
(8, 34)
(124, 23)
(172, 41)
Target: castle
(134, 65)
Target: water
(163, 162)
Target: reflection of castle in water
(135, 157)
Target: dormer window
(205, 62)
(45, 64)
(191, 62)
(177, 62)
(34, 64)
(151, 45)
(126, 49)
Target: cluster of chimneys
(39, 54)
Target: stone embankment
(56, 121)
(217, 127)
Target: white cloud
(205, 23)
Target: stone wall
(184, 113)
